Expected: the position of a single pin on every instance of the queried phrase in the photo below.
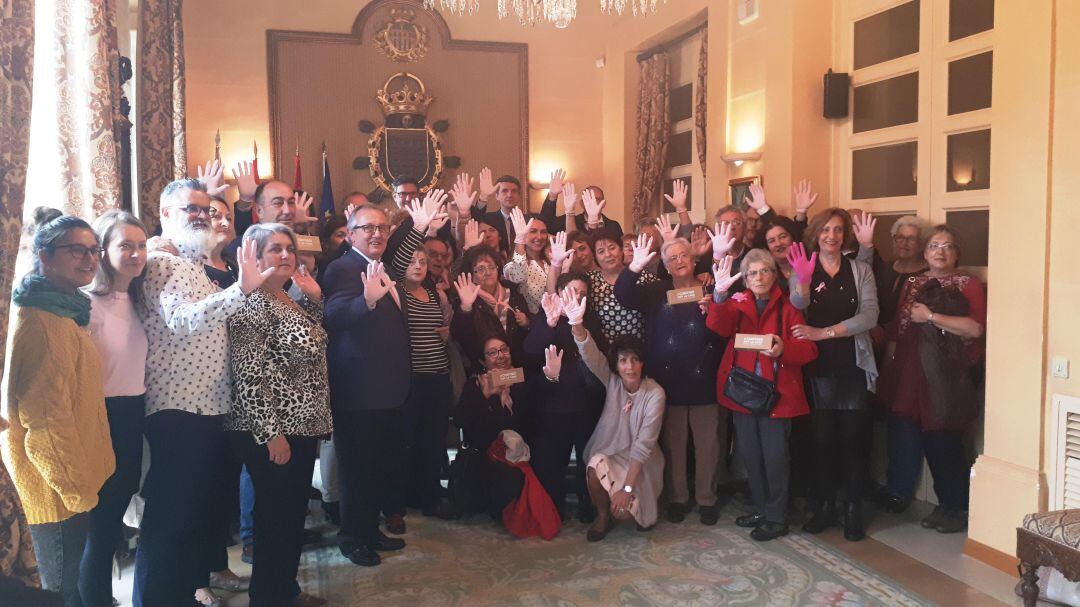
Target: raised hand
(308, 285)
(376, 283)
(722, 239)
(569, 197)
(643, 253)
(678, 198)
(250, 276)
(558, 177)
(213, 177)
(804, 197)
(436, 224)
(552, 362)
(521, 227)
(559, 252)
(593, 208)
(722, 274)
(756, 199)
(552, 306)
(428, 210)
(472, 235)
(349, 210)
(573, 308)
(463, 196)
(487, 183)
(245, 181)
(467, 291)
(667, 231)
(863, 225)
(303, 204)
(801, 266)
(700, 243)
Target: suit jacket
(368, 350)
(557, 224)
(496, 220)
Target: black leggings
(841, 452)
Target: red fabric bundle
(532, 513)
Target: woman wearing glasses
(932, 383)
(483, 412)
(843, 308)
(487, 306)
(58, 447)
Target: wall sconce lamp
(738, 159)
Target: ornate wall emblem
(405, 144)
(402, 39)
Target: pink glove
(800, 265)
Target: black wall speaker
(836, 94)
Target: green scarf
(35, 291)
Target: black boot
(853, 523)
(823, 516)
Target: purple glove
(800, 265)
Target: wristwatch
(930, 318)
(628, 489)
(830, 332)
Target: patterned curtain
(16, 85)
(653, 131)
(75, 151)
(701, 98)
(162, 142)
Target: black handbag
(466, 489)
(749, 390)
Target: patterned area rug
(475, 563)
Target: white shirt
(185, 316)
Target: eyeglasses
(484, 269)
(944, 246)
(763, 272)
(194, 209)
(79, 251)
(407, 195)
(371, 228)
(493, 352)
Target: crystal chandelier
(638, 7)
(456, 7)
(529, 12)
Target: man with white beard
(187, 396)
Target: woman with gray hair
(683, 356)
(843, 308)
(908, 235)
(281, 408)
(762, 309)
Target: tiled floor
(927, 562)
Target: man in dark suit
(369, 372)
(507, 191)
(549, 216)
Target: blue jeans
(59, 548)
(126, 415)
(247, 507)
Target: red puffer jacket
(738, 314)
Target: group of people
(552, 338)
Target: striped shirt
(429, 354)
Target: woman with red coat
(762, 309)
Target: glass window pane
(887, 103)
(974, 230)
(680, 103)
(887, 35)
(680, 149)
(885, 171)
(971, 82)
(669, 189)
(969, 17)
(968, 158)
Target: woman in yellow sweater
(57, 448)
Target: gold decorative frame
(375, 145)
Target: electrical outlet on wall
(1059, 367)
